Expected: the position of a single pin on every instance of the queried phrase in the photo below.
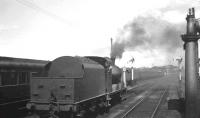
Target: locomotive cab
(116, 74)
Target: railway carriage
(14, 84)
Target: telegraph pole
(179, 68)
(132, 69)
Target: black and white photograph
(99, 59)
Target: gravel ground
(170, 81)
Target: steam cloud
(147, 33)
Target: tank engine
(75, 86)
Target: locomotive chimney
(111, 52)
(191, 59)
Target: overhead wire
(34, 6)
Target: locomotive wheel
(120, 99)
(90, 114)
(100, 109)
(72, 115)
(82, 114)
(107, 109)
(63, 115)
(33, 116)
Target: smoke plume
(148, 33)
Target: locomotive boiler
(75, 86)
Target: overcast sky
(47, 29)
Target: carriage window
(24, 77)
(9, 78)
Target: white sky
(47, 29)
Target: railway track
(137, 90)
(148, 106)
(133, 95)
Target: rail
(142, 100)
(157, 106)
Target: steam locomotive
(93, 79)
(75, 86)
